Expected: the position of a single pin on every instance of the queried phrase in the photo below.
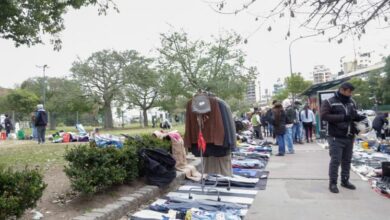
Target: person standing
(291, 118)
(297, 127)
(7, 125)
(41, 123)
(378, 125)
(308, 120)
(34, 129)
(256, 123)
(340, 113)
(278, 120)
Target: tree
(281, 95)
(296, 84)
(63, 96)
(20, 101)
(101, 77)
(172, 90)
(386, 83)
(141, 83)
(334, 17)
(362, 93)
(217, 67)
(24, 22)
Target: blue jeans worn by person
(34, 133)
(271, 130)
(297, 132)
(41, 130)
(288, 139)
(282, 147)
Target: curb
(134, 200)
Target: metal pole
(44, 85)
(289, 49)
(44, 67)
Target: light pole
(289, 49)
(44, 67)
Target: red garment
(201, 142)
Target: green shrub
(147, 141)
(92, 169)
(19, 190)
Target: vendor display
(371, 159)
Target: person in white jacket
(308, 120)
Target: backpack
(41, 119)
(158, 165)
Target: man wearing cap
(340, 113)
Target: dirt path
(59, 202)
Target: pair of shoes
(279, 155)
(311, 140)
(291, 152)
(348, 185)
(333, 188)
(301, 142)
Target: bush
(19, 190)
(91, 169)
(147, 141)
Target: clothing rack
(204, 105)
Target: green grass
(21, 153)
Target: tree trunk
(145, 113)
(107, 115)
(52, 121)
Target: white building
(253, 93)
(362, 60)
(321, 74)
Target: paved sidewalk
(298, 189)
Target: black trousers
(340, 151)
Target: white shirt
(310, 116)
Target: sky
(139, 24)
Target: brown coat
(213, 131)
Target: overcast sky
(139, 24)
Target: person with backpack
(7, 125)
(41, 123)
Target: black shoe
(333, 188)
(279, 154)
(348, 185)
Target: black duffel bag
(158, 165)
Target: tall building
(253, 93)
(321, 74)
(278, 86)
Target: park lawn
(17, 153)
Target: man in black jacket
(8, 125)
(378, 124)
(340, 113)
